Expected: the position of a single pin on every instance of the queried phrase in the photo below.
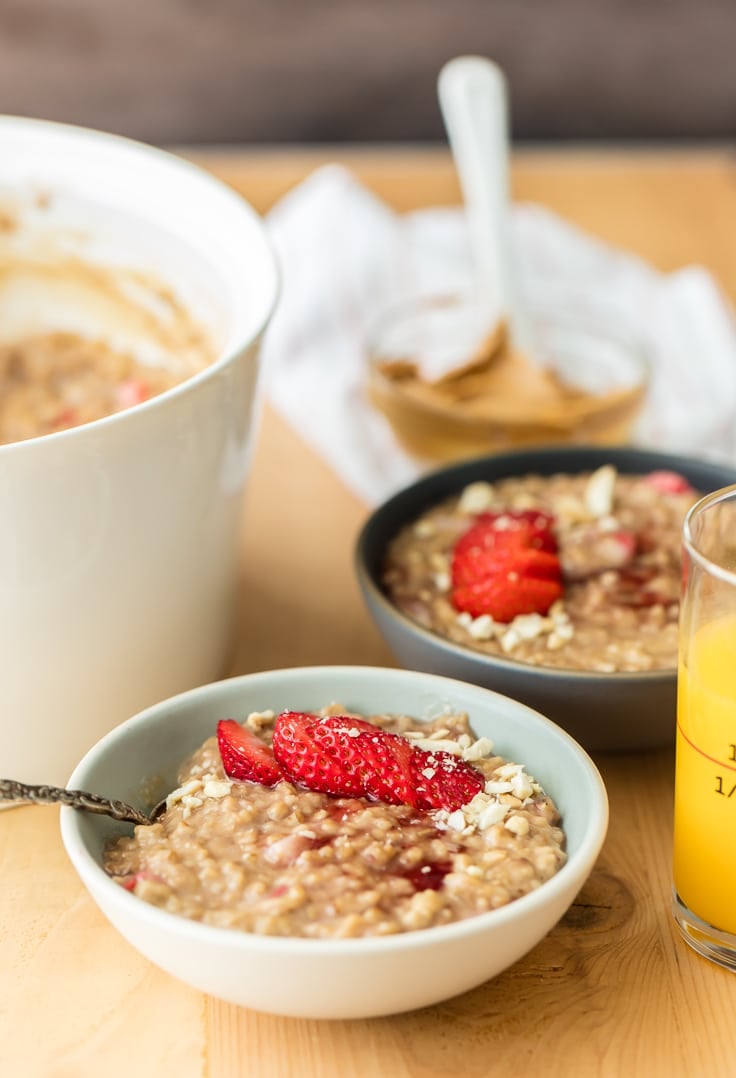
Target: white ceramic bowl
(118, 539)
(336, 978)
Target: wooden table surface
(612, 990)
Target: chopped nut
(217, 788)
(480, 748)
(478, 803)
(529, 626)
(560, 636)
(521, 786)
(456, 820)
(491, 815)
(476, 498)
(424, 529)
(482, 628)
(189, 788)
(599, 490)
(557, 610)
(508, 771)
(498, 787)
(257, 720)
(432, 745)
(518, 825)
(510, 801)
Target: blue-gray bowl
(619, 711)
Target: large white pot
(118, 539)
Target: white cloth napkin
(346, 259)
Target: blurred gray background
(220, 71)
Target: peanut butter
(497, 399)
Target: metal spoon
(10, 790)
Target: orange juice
(705, 777)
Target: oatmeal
(286, 860)
(53, 381)
(611, 600)
(81, 340)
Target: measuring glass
(704, 867)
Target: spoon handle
(10, 790)
(474, 104)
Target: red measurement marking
(713, 759)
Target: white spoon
(473, 102)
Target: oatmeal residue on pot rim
(616, 541)
(55, 381)
(80, 341)
(288, 861)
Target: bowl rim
(128, 906)
(157, 157)
(441, 477)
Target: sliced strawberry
(507, 564)
(518, 528)
(535, 563)
(320, 753)
(477, 564)
(506, 596)
(667, 482)
(244, 756)
(391, 775)
(444, 780)
(350, 757)
(402, 773)
(539, 527)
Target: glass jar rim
(695, 512)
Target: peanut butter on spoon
(496, 399)
(495, 392)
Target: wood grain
(612, 990)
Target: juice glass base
(711, 943)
